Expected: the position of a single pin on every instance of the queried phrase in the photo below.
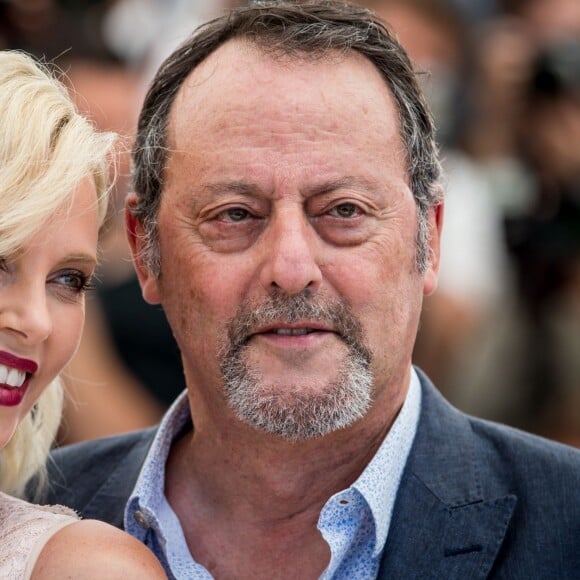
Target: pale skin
(42, 305)
(41, 318)
(282, 177)
(93, 550)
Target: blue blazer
(476, 500)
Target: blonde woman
(53, 183)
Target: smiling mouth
(292, 331)
(11, 377)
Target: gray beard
(296, 413)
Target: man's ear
(435, 229)
(136, 236)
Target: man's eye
(235, 214)
(345, 210)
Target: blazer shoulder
(487, 451)
(480, 499)
(526, 455)
(88, 455)
(80, 472)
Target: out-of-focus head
(54, 180)
(431, 31)
(435, 35)
(551, 124)
(306, 31)
(547, 21)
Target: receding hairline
(203, 71)
(310, 31)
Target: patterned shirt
(354, 522)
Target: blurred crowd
(501, 336)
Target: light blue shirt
(354, 522)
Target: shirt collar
(148, 494)
(379, 482)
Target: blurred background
(501, 336)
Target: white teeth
(293, 331)
(11, 377)
(16, 378)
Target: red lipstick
(15, 362)
(12, 396)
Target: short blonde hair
(46, 149)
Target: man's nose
(24, 311)
(290, 262)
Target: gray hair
(300, 30)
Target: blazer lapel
(443, 526)
(108, 503)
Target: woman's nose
(25, 311)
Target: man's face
(287, 239)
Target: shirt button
(141, 519)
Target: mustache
(281, 308)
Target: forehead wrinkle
(285, 137)
(198, 100)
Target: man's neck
(243, 496)
(251, 511)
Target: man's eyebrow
(253, 189)
(214, 191)
(347, 182)
(225, 187)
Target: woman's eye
(345, 210)
(77, 282)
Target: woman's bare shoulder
(90, 549)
